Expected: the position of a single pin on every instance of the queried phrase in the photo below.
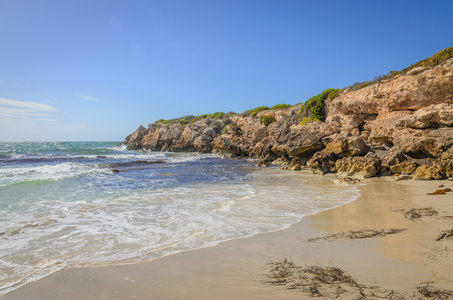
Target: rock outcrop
(399, 125)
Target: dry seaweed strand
(415, 214)
(329, 282)
(440, 192)
(332, 282)
(445, 234)
(428, 291)
(359, 234)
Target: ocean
(75, 204)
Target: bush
(191, 119)
(266, 120)
(256, 110)
(434, 60)
(315, 105)
(183, 120)
(281, 106)
(304, 121)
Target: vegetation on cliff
(266, 120)
(191, 119)
(256, 110)
(281, 106)
(432, 61)
(314, 108)
(358, 139)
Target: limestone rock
(203, 143)
(396, 157)
(347, 146)
(263, 163)
(434, 115)
(223, 145)
(294, 165)
(405, 168)
(428, 173)
(322, 162)
(358, 166)
(281, 161)
(134, 141)
(403, 120)
(403, 177)
(345, 180)
(445, 165)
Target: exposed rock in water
(403, 177)
(401, 125)
(322, 162)
(345, 180)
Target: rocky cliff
(402, 124)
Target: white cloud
(16, 112)
(86, 97)
(20, 114)
(25, 106)
(25, 120)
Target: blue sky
(95, 70)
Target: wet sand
(238, 269)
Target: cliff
(401, 123)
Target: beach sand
(239, 269)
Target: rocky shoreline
(400, 125)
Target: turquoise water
(93, 203)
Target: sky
(86, 70)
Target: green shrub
(216, 115)
(191, 119)
(281, 106)
(304, 121)
(266, 120)
(256, 110)
(315, 105)
(183, 120)
(434, 60)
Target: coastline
(237, 269)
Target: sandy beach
(239, 269)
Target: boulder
(396, 157)
(203, 143)
(434, 115)
(405, 168)
(281, 161)
(134, 141)
(428, 173)
(347, 146)
(294, 165)
(223, 145)
(322, 162)
(263, 163)
(445, 165)
(358, 166)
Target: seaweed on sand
(333, 282)
(445, 234)
(415, 214)
(330, 282)
(440, 191)
(429, 291)
(359, 234)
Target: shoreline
(237, 269)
